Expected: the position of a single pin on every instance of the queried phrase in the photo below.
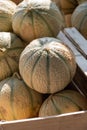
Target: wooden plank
(70, 121)
(82, 63)
(77, 39)
(63, 38)
(80, 81)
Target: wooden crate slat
(82, 62)
(77, 39)
(62, 37)
(80, 81)
(69, 121)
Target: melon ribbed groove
(56, 18)
(64, 62)
(61, 95)
(12, 99)
(12, 58)
(30, 95)
(45, 22)
(33, 24)
(48, 71)
(21, 21)
(55, 106)
(8, 65)
(27, 59)
(38, 58)
(46, 104)
(52, 16)
(82, 20)
(15, 17)
(48, 25)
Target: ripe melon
(11, 47)
(79, 19)
(65, 101)
(68, 6)
(7, 9)
(17, 101)
(37, 18)
(47, 65)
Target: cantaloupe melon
(37, 18)
(79, 19)
(47, 65)
(65, 101)
(17, 101)
(7, 9)
(11, 47)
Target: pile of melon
(35, 66)
(75, 12)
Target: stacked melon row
(75, 12)
(35, 67)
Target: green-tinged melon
(7, 9)
(47, 65)
(37, 18)
(65, 101)
(79, 19)
(11, 47)
(17, 101)
(68, 6)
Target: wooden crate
(69, 121)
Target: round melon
(62, 102)
(11, 47)
(47, 65)
(17, 101)
(68, 6)
(35, 19)
(7, 9)
(79, 19)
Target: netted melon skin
(47, 65)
